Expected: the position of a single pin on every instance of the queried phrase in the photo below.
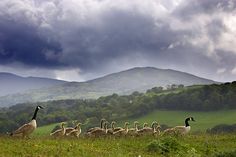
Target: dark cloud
(22, 42)
(100, 37)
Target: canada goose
(117, 129)
(147, 130)
(27, 129)
(111, 130)
(156, 131)
(99, 132)
(133, 131)
(60, 132)
(123, 131)
(95, 128)
(76, 131)
(145, 125)
(69, 129)
(182, 130)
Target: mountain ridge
(12, 83)
(124, 82)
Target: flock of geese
(103, 130)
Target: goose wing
(145, 130)
(58, 132)
(73, 132)
(24, 128)
(68, 130)
(117, 129)
(182, 129)
(92, 129)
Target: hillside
(200, 99)
(11, 83)
(125, 82)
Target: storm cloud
(96, 37)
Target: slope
(125, 82)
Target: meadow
(204, 120)
(194, 145)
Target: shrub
(172, 146)
(226, 154)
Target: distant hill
(11, 83)
(216, 103)
(125, 82)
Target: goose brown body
(99, 132)
(28, 128)
(60, 132)
(181, 130)
(75, 132)
(123, 131)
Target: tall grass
(191, 145)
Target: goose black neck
(186, 122)
(35, 113)
(101, 124)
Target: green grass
(44, 130)
(204, 120)
(191, 145)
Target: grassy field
(191, 145)
(195, 144)
(204, 120)
(44, 130)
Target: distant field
(192, 145)
(204, 120)
(45, 130)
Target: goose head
(126, 123)
(79, 124)
(39, 107)
(62, 125)
(145, 125)
(192, 119)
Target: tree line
(115, 107)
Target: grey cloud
(190, 8)
(100, 37)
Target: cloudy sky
(84, 39)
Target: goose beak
(39, 107)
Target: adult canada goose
(182, 130)
(133, 131)
(123, 131)
(76, 131)
(95, 128)
(60, 132)
(27, 129)
(99, 132)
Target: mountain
(11, 83)
(124, 82)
